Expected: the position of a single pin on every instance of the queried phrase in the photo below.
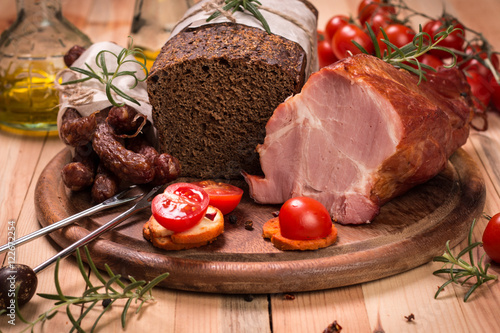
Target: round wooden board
(409, 232)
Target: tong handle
(140, 205)
(111, 202)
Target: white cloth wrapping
(291, 19)
(99, 100)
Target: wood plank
(344, 305)
(30, 162)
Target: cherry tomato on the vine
(495, 93)
(223, 196)
(342, 44)
(367, 8)
(334, 24)
(397, 34)
(491, 238)
(430, 60)
(480, 88)
(379, 19)
(180, 207)
(303, 218)
(476, 65)
(325, 52)
(455, 40)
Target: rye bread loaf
(213, 88)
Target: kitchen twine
(79, 94)
(214, 5)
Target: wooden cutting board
(409, 232)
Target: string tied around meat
(78, 94)
(217, 5)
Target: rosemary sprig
(107, 292)
(106, 77)
(408, 54)
(242, 5)
(465, 271)
(478, 37)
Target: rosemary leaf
(242, 5)
(467, 271)
(124, 312)
(83, 272)
(85, 313)
(56, 281)
(100, 315)
(110, 273)
(110, 282)
(76, 325)
(133, 285)
(153, 283)
(91, 291)
(106, 77)
(93, 268)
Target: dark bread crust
(213, 89)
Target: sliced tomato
(180, 207)
(303, 218)
(223, 196)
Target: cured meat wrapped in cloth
(360, 133)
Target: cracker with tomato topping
(203, 233)
(271, 230)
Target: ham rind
(360, 133)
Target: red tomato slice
(223, 196)
(180, 207)
(303, 218)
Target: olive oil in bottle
(31, 54)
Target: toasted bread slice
(203, 233)
(271, 230)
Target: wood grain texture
(240, 261)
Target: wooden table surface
(378, 306)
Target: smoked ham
(360, 133)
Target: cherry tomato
(454, 41)
(397, 34)
(476, 65)
(180, 207)
(303, 218)
(325, 52)
(380, 19)
(491, 238)
(367, 8)
(223, 196)
(342, 44)
(480, 88)
(430, 60)
(334, 24)
(495, 93)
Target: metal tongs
(145, 202)
(114, 201)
